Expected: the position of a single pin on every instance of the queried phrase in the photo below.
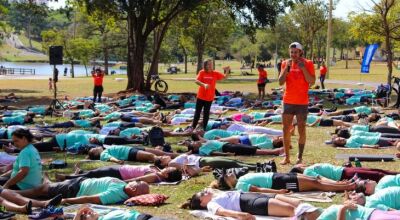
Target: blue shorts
(134, 119)
(245, 140)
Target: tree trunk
(347, 55)
(312, 47)
(87, 74)
(105, 53)
(185, 56)
(341, 53)
(200, 51)
(136, 45)
(388, 45)
(29, 33)
(72, 68)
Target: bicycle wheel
(161, 86)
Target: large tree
(145, 16)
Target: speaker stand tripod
(55, 102)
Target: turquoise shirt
(109, 189)
(261, 141)
(257, 115)
(210, 146)
(41, 110)
(361, 213)
(174, 97)
(124, 102)
(14, 120)
(121, 215)
(353, 100)
(363, 109)
(212, 134)
(71, 139)
(263, 180)
(19, 113)
(28, 157)
(83, 123)
(366, 133)
(117, 151)
(210, 124)
(312, 118)
(115, 124)
(113, 115)
(189, 105)
(339, 95)
(359, 128)
(130, 131)
(103, 108)
(276, 118)
(356, 141)
(86, 113)
(80, 132)
(388, 181)
(385, 199)
(325, 170)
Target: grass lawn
(316, 150)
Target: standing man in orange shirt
(298, 74)
(322, 72)
(206, 79)
(98, 76)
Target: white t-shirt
(178, 120)
(188, 111)
(227, 200)
(187, 159)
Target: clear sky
(343, 8)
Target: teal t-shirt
(115, 124)
(109, 189)
(28, 157)
(14, 120)
(339, 95)
(257, 115)
(363, 109)
(353, 100)
(99, 137)
(117, 151)
(71, 139)
(113, 115)
(41, 110)
(263, 180)
(124, 102)
(356, 141)
(174, 97)
(86, 113)
(83, 123)
(276, 118)
(261, 141)
(212, 134)
(130, 131)
(102, 108)
(80, 132)
(189, 105)
(359, 128)
(385, 199)
(121, 215)
(312, 118)
(388, 181)
(143, 108)
(366, 133)
(210, 146)
(325, 170)
(361, 213)
(19, 113)
(210, 125)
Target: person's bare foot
(285, 161)
(299, 161)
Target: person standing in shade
(261, 82)
(206, 79)
(65, 71)
(98, 76)
(298, 74)
(322, 72)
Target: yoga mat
(366, 157)
(201, 214)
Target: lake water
(45, 69)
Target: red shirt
(323, 70)
(262, 76)
(296, 91)
(98, 79)
(209, 78)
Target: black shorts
(133, 153)
(291, 109)
(348, 112)
(68, 188)
(385, 142)
(345, 118)
(98, 89)
(287, 181)
(326, 122)
(255, 203)
(239, 149)
(261, 85)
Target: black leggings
(97, 92)
(384, 129)
(389, 135)
(205, 106)
(46, 146)
(68, 124)
(239, 149)
(224, 163)
(117, 140)
(108, 171)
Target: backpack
(156, 136)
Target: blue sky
(343, 8)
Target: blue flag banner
(368, 54)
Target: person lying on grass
(86, 213)
(17, 120)
(284, 182)
(387, 199)
(106, 190)
(119, 154)
(329, 172)
(357, 141)
(128, 173)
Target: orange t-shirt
(209, 78)
(323, 70)
(98, 79)
(262, 76)
(296, 91)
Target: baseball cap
(296, 45)
(303, 208)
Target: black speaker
(56, 55)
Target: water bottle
(357, 162)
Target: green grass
(12, 54)
(35, 44)
(316, 150)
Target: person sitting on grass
(105, 190)
(128, 173)
(329, 172)
(119, 154)
(284, 182)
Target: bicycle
(159, 84)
